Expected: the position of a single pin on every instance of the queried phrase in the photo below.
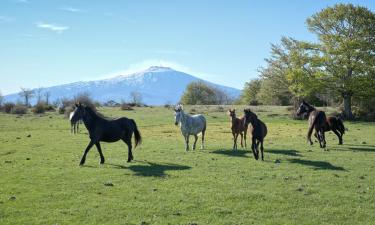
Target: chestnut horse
(238, 128)
(258, 132)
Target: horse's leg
(187, 142)
(77, 127)
(319, 137)
(203, 133)
(85, 153)
(338, 135)
(261, 149)
(195, 141)
(241, 139)
(309, 132)
(323, 138)
(100, 152)
(235, 141)
(245, 131)
(316, 135)
(253, 147)
(71, 127)
(128, 142)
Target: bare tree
(47, 95)
(39, 94)
(1, 99)
(136, 97)
(27, 94)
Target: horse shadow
(152, 169)
(235, 153)
(356, 148)
(317, 165)
(284, 152)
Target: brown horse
(258, 132)
(238, 128)
(317, 121)
(335, 125)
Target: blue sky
(44, 43)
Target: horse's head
(78, 113)
(250, 117)
(177, 115)
(303, 108)
(232, 112)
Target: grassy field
(41, 182)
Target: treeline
(336, 70)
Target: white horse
(190, 125)
(74, 126)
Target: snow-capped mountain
(157, 85)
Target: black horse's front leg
(100, 152)
(253, 147)
(85, 153)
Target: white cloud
(22, 1)
(170, 52)
(72, 9)
(52, 27)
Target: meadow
(41, 182)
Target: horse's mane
(93, 111)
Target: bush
(40, 108)
(19, 109)
(126, 106)
(7, 107)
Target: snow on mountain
(158, 85)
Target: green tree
(199, 93)
(346, 44)
(250, 91)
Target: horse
(74, 127)
(259, 132)
(106, 130)
(335, 125)
(238, 127)
(190, 125)
(317, 120)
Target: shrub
(40, 108)
(126, 106)
(7, 107)
(19, 109)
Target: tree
(47, 95)
(136, 97)
(200, 93)
(347, 46)
(39, 94)
(1, 99)
(27, 94)
(249, 94)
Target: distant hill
(158, 85)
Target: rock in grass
(363, 142)
(28, 135)
(12, 198)
(277, 161)
(109, 184)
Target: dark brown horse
(102, 129)
(317, 121)
(238, 128)
(259, 131)
(335, 125)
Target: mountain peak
(158, 69)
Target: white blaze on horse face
(71, 115)
(177, 117)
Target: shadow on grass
(363, 149)
(152, 169)
(317, 165)
(236, 153)
(284, 152)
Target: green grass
(166, 185)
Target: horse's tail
(137, 135)
(340, 125)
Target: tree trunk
(348, 106)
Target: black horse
(102, 129)
(259, 131)
(317, 121)
(335, 125)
